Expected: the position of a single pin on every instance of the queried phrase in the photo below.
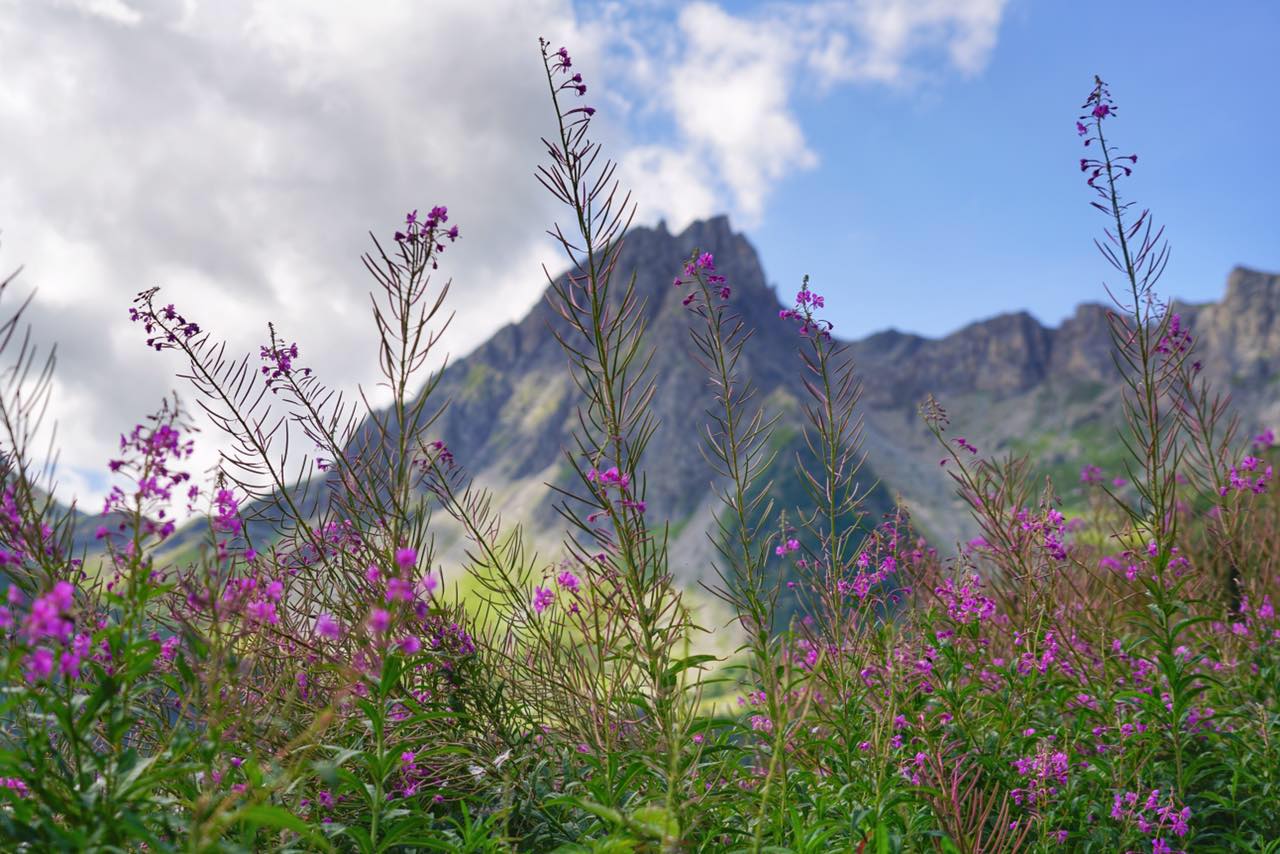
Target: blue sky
(957, 197)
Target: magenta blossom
(379, 621)
(328, 627)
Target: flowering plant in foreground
(298, 676)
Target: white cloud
(890, 34)
(728, 83)
(236, 153)
(116, 11)
(729, 96)
(669, 183)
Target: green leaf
(266, 815)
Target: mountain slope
(1009, 382)
(512, 402)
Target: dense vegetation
(309, 682)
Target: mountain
(1009, 383)
(513, 403)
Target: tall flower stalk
(1152, 352)
(601, 329)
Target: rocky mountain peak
(1009, 379)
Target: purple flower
(262, 611)
(568, 581)
(47, 618)
(611, 477)
(39, 665)
(69, 664)
(379, 621)
(406, 558)
(426, 586)
(399, 590)
(542, 598)
(328, 627)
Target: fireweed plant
(296, 675)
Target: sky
(916, 157)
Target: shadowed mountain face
(1009, 383)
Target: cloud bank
(236, 154)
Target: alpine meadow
(663, 566)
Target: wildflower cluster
(1251, 474)
(294, 674)
(803, 312)
(700, 273)
(149, 454)
(166, 327)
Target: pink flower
(327, 627)
(610, 477)
(262, 611)
(39, 665)
(542, 598)
(16, 785)
(47, 613)
(379, 621)
(790, 545)
(410, 645)
(406, 558)
(568, 581)
(69, 664)
(399, 590)
(426, 586)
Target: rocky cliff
(1009, 382)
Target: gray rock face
(513, 403)
(1008, 382)
(1241, 334)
